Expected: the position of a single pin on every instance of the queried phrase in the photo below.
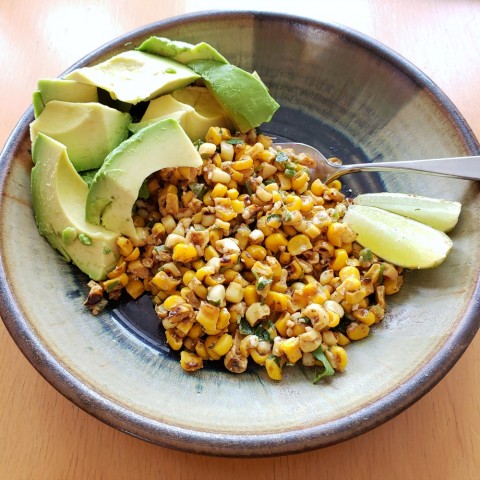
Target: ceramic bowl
(343, 93)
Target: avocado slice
(194, 107)
(66, 90)
(181, 51)
(59, 195)
(37, 103)
(116, 185)
(88, 130)
(243, 95)
(134, 76)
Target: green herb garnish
(328, 369)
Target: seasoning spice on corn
(247, 261)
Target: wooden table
(44, 436)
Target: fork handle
(459, 167)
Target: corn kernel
(299, 244)
(190, 362)
(291, 348)
(274, 370)
(223, 345)
(357, 331)
(134, 288)
(184, 253)
(219, 190)
(278, 302)
(125, 246)
(250, 295)
(274, 241)
(173, 340)
(340, 259)
(365, 316)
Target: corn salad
(248, 261)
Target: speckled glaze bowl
(344, 93)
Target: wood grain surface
(44, 436)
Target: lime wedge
(440, 214)
(397, 239)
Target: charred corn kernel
(219, 190)
(238, 206)
(299, 244)
(342, 339)
(168, 223)
(285, 258)
(307, 203)
(334, 234)
(247, 259)
(173, 301)
(333, 319)
(184, 253)
(274, 370)
(257, 252)
(125, 246)
(312, 231)
(391, 285)
(300, 180)
(158, 229)
(195, 331)
(258, 358)
(321, 296)
(243, 164)
(134, 288)
(347, 272)
(210, 342)
(285, 182)
(118, 270)
(223, 319)
(274, 220)
(201, 291)
(357, 331)
(220, 177)
(354, 298)
(275, 241)
(291, 348)
(339, 260)
(310, 289)
(223, 345)
(348, 247)
(293, 202)
(278, 302)
(201, 351)
(335, 184)
(173, 340)
(317, 188)
(276, 196)
(210, 253)
(340, 357)
(215, 234)
(281, 324)
(227, 151)
(134, 255)
(250, 295)
(190, 362)
(207, 149)
(123, 279)
(164, 282)
(188, 276)
(208, 315)
(365, 316)
(182, 328)
(214, 135)
(234, 292)
(294, 270)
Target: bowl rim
(238, 445)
